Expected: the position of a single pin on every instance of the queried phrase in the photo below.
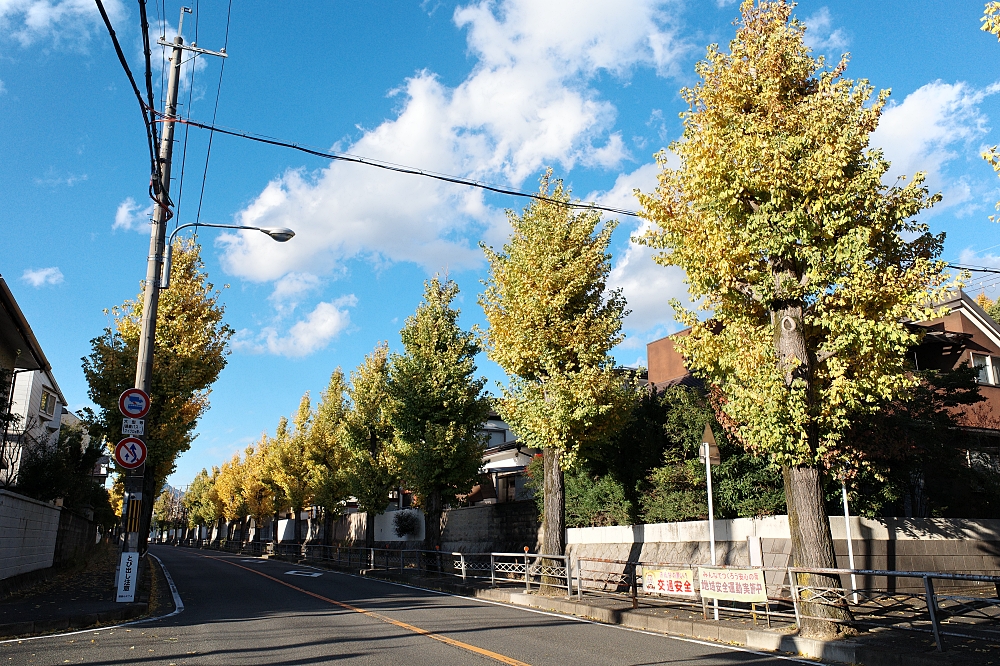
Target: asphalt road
(241, 610)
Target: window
(988, 367)
(48, 406)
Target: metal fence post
(527, 581)
(493, 571)
(632, 588)
(932, 610)
(794, 587)
(462, 556)
(569, 577)
(579, 579)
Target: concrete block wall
(892, 544)
(503, 527)
(28, 532)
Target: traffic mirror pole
(710, 454)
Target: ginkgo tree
(438, 404)
(370, 438)
(991, 24)
(552, 324)
(805, 262)
(192, 345)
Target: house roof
(16, 334)
(962, 302)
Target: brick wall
(28, 531)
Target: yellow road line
(503, 659)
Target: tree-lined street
(240, 610)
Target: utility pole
(135, 524)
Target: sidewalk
(78, 598)
(875, 647)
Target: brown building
(966, 335)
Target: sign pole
(710, 453)
(850, 545)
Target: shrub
(405, 523)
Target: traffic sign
(133, 402)
(133, 426)
(130, 452)
(708, 442)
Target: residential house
(504, 463)
(966, 335)
(31, 402)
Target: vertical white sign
(128, 576)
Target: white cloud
(308, 335)
(526, 104)
(971, 257)
(130, 216)
(820, 35)
(647, 286)
(63, 20)
(39, 277)
(923, 132)
(289, 290)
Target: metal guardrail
(874, 604)
(543, 570)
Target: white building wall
(28, 530)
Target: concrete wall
(893, 544)
(504, 527)
(385, 530)
(28, 531)
(76, 538)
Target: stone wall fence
(28, 532)
(892, 544)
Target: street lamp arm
(279, 234)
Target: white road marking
(307, 574)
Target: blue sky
(492, 90)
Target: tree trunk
(808, 524)
(812, 547)
(369, 529)
(298, 524)
(432, 520)
(327, 527)
(554, 518)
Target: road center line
(388, 620)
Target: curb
(844, 651)
(128, 612)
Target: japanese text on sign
(677, 582)
(126, 577)
(732, 584)
(132, 426)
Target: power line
(388, 166)
(147, 118)
(974, 269)
(157, 181)
(193, 60)
(215, 112)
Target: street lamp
(279, 234)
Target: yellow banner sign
(673, 582)
(732, 584)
